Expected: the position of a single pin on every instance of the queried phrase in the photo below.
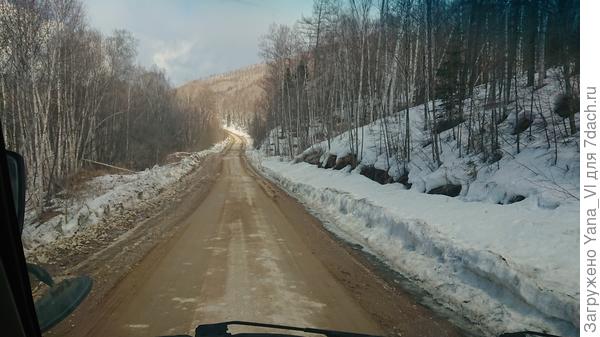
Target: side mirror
(16, 171)
(60, 300)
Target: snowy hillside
(545, 172)
(502, 252)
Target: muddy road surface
(250, 252)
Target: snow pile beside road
(503, 267)
(107, 195)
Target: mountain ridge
(236, 92)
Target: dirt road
(249, 252)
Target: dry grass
(75, 183)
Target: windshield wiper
(221, 329)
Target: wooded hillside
(238, 93)
(69, 95)
(353, 62)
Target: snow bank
(503, 267)
(108, 194)
(503, 253)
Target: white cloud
(190, 39)
(170, 56)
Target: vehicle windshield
(335, 167)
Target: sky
(193, 39)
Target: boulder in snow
(346, 160)
(523, 124)
(330, 162)
(450, 190)
(376, 174)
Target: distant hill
(236, 92)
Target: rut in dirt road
(238, 257)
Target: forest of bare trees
(71, 96)
(353, 62)
(235, 92)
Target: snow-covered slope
(504, 267)
(503, 253)
(545, 171)
(106, 195)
